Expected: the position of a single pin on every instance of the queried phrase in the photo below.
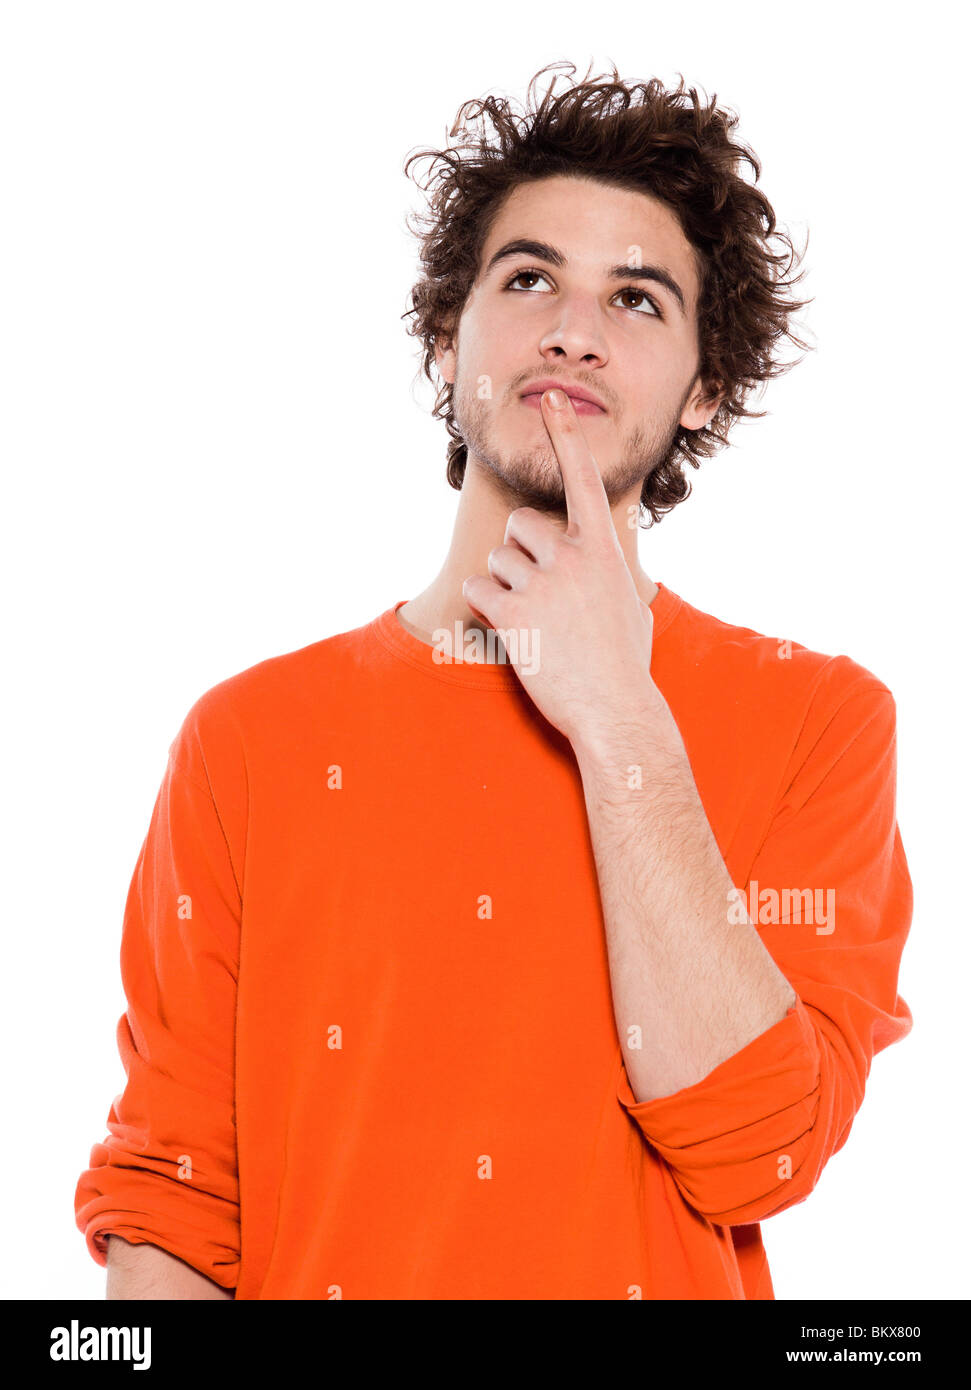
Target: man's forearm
(146, 1271)
(690, 987)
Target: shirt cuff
(725, 1136)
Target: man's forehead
(592, 221)
(594, 226)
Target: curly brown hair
(636, 136)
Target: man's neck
(480, 526)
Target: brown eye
(524, 274)
(640, 294)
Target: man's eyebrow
(542, 251)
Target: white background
(216, 450)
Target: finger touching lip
(582, 407)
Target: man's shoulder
(305, 670)
(280, 693)
(764, 670)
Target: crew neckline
(477, 675)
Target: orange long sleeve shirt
(369, 1044)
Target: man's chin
(534, 480)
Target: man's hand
(575, 591)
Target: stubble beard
(531, 477)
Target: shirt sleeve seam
(864, 684)
(206, 790)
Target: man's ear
(445, 358)
(702, 405)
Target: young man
(533, 940)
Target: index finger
(587, 507)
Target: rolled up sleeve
(752, 1137)
(166, 1174)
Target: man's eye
(524, 274)
(630, 291)
(639, 294)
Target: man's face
(528, 318)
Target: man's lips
(534, 400)
(583, 403)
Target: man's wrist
(644, 731)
